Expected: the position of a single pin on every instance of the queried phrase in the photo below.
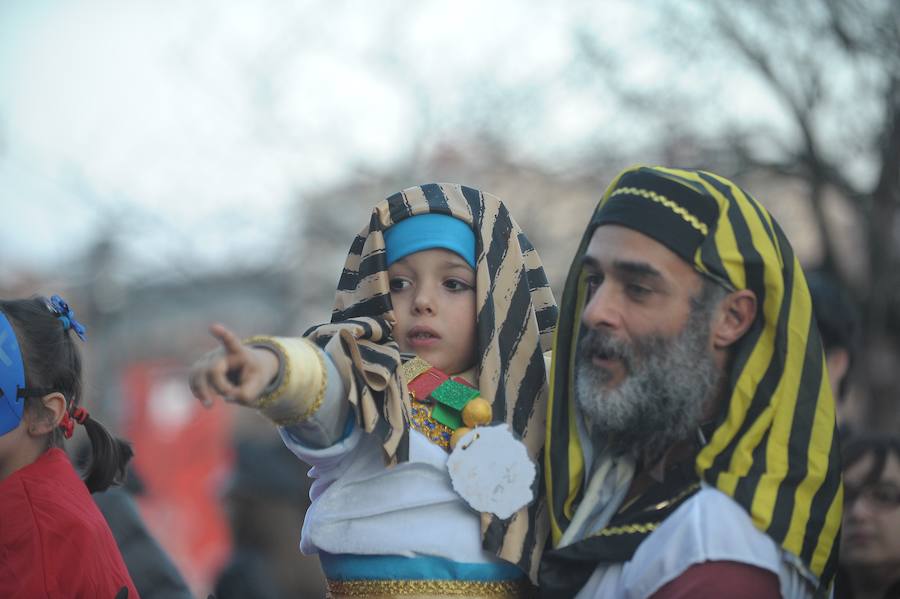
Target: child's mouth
(422, 337)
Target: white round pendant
(490, 469)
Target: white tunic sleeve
(326, 426)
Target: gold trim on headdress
(661, 199)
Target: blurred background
(165, 165)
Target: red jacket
(54, 542)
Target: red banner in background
(183, 452)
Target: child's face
(433, 293)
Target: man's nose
(603, 309)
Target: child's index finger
(228, 339)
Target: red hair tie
(67, 424)
(80, 415)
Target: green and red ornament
(444, 408)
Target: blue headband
(428, 232)
(12, 378)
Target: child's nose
(423, 303)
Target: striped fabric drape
(774, 449)
(516, 316)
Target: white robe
(360, 506)
(709, 526)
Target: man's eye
(593, 282)
(397, 284)
(638, 291)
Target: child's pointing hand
(237, 372)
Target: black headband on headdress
(660, 208)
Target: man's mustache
(603, 345)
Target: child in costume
(54, 542)
(444, 275)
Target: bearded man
(691, 447)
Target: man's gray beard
(667, 385)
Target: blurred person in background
(152, 570)
(870, 538)
(838, 322)
(265, 500)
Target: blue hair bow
(66, 316)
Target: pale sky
(190, 127)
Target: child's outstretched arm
(289, 380)
(238, 373)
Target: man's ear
(45, 421)
(735, 315)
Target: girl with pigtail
(54, 542)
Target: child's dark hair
(53, 364)
(878, 445)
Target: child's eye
(456, 285)
(397, 284)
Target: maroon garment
(54, 543)
(712, 580)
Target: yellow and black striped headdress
(774, 449)
(516, 316)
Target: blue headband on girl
(12, 378)
(12, 369)
(428, 232)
